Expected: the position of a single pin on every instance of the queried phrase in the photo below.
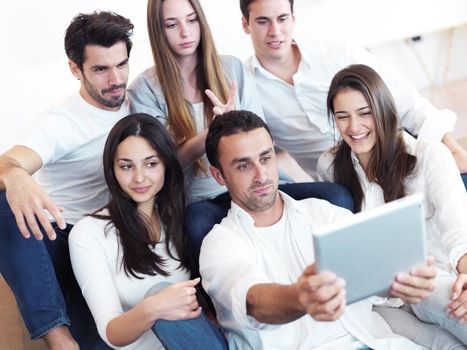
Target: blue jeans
(201, 216)
(194, 334)
(464, 179)
(41, 278)
(433, 309)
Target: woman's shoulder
(147, 79)
(232, 65)
(91, 227)
(230, 60)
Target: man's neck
(283, 68)
(269, 216)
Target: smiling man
(258, 265)
(63, 149)
(293, 79)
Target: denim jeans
(201, 216)
(41, 278)
(433, 309)
(194, 334)
(464, 179)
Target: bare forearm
(451, 143)
(462, 264)
(7, 165)
(129, 326)
(193, 149)
(18, 160)
(274, 303)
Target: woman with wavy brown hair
(378, 163)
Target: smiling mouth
(359, 136)
(275, 44)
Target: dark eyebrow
(266, 152)
(240, 160)
(261, 18)
(245, 159)
(152, 157)
(125, 61)
(98, 66)
(358, 110)
(131, 160)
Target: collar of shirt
(255, 66)
(246, 221)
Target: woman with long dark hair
(378, 163)
(129, 258)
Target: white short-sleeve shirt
(69, 137)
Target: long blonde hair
(210, 73)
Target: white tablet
(370, 248)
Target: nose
(260, 173)
(184, 30)
(138, 175)
(274, 28)
(114, 76)
(353, 123)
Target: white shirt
(96, 258)
(70, 138)
(236, 255)
(445, 198)
(297, 116)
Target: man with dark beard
(258, 265)
(63, 149)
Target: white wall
(34, 71)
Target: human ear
(74, 69)
(246, 29)
(217, 175)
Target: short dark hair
(102, 28)
(245, 7)
(230, 123)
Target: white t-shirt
(236, 255)
(96, 259)
(445, 198)
(297, 116)
(70, 138)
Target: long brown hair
(389, 162)
(210, 73)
